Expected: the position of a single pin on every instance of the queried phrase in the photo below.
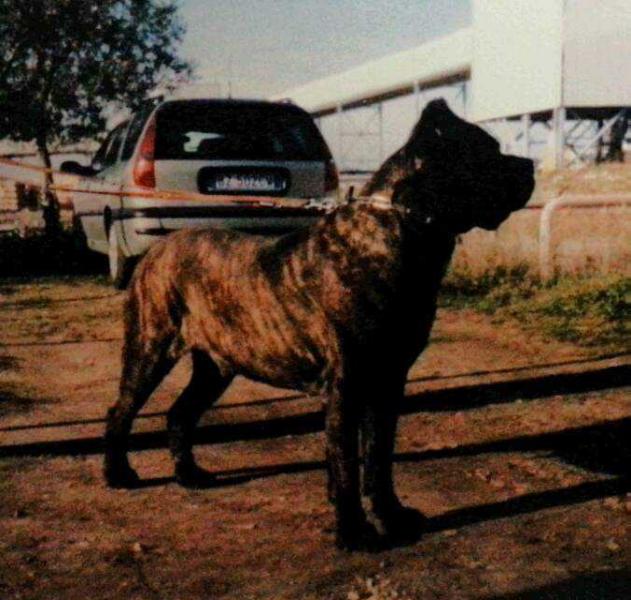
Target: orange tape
(158, 194)
(12, 163)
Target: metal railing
(578, 201)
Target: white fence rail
(576, 201)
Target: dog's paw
(362, 537)
(121, 477)
(398, 524)
(405, 524)
(194, 477)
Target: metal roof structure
(438, 62)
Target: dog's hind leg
(142, 373)
(205, 387)
(378, 427)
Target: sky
(265, 47)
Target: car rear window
(203, 131)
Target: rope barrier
(9, 170)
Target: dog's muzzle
(520, 173)
(514, 187)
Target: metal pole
(417, 98)
(546, 250)
(558, 117)
(340, 135)
(525, 123)
(599, 134)
(380, 115)
(505, 129)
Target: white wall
(516, 57)
(597, 53)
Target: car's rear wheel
(121, 267)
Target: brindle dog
(341, 309)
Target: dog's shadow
(612, 585)
(603, 449)
(222, 479)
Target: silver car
(254, 166)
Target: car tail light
(331, 177)
(144, 169)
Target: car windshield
(203, 131)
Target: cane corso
(341, 310)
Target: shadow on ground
(611, 585)
(10, 402)
(40, 254)
(604, 448)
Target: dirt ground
(516, 448)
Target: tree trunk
(50, 204)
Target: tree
(63, 62)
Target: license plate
(264, 182)
(243, 183)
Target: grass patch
(591, 311)
(32, 303)
(500, 286)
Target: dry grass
(609, 178)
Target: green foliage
(62, 62)
(463, 289)
(591, 311)
(595, 311)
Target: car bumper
(142, 227)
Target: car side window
(98, 162)
(133, 134)
(111, 156)
(107, 154)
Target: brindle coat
(342, 309)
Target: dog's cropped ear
(425, 139)
(435, 112)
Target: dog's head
(463, 181)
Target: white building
(538, 73)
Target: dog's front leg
(342, 445)
(392, 521)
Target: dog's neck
(415, 220)
(399, 165)
(420, 247)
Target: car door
(103, 191)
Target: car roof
(229, 102)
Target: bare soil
(515, 446)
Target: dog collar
(379, 201)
